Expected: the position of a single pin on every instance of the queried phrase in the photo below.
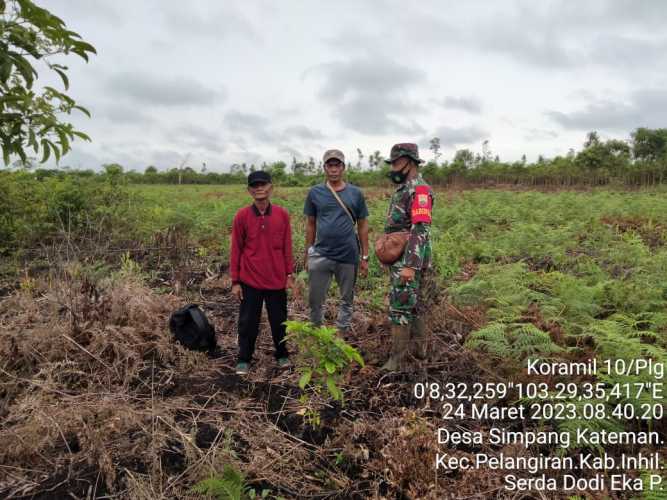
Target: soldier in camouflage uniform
(409, 210)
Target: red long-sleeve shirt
(261, 249)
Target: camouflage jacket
(410, 210)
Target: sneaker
(284, 363)
(242, 368)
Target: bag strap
(199, 318)
(347, 211)
(341, 203)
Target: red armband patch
(422, 204)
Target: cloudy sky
(250, 81)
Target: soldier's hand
(237, 291)
(290, 282)
(407, 274)
(363, 268)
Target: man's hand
(290, 282)
(407, 274)
(237, 291)
(363, 268)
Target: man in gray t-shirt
(332, 245)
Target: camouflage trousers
(406, 300)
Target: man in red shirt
(261, 267)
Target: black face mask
(398, 177)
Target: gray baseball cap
(334, 154)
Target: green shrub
(231, 485)
(322, 357)
(40, 209)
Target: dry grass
(96, 400)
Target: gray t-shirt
(336, 235)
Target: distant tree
(150, 170)
(603, 158)
(648, 144)
(430, 171)
(299, 167)
(114, 173)
(180, 168)
(311, 166)
(618, 148)
(592, 138)
(30, 118)
(360, 157)
(374, 160)
(278, 170)
(379, 159)
(486, 151)
(434, 146)
(42, 173)
(113, 169)
(464, 159)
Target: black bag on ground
(192, 329)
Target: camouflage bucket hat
(404, 149)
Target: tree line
(641, 161)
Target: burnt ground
(96, 401)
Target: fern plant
(231, 485)
(512, 341)
(228, 486)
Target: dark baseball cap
(258, 177)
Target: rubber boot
(400, 335)
(419, 341)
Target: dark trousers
(250, 314)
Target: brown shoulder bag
(389, 247)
